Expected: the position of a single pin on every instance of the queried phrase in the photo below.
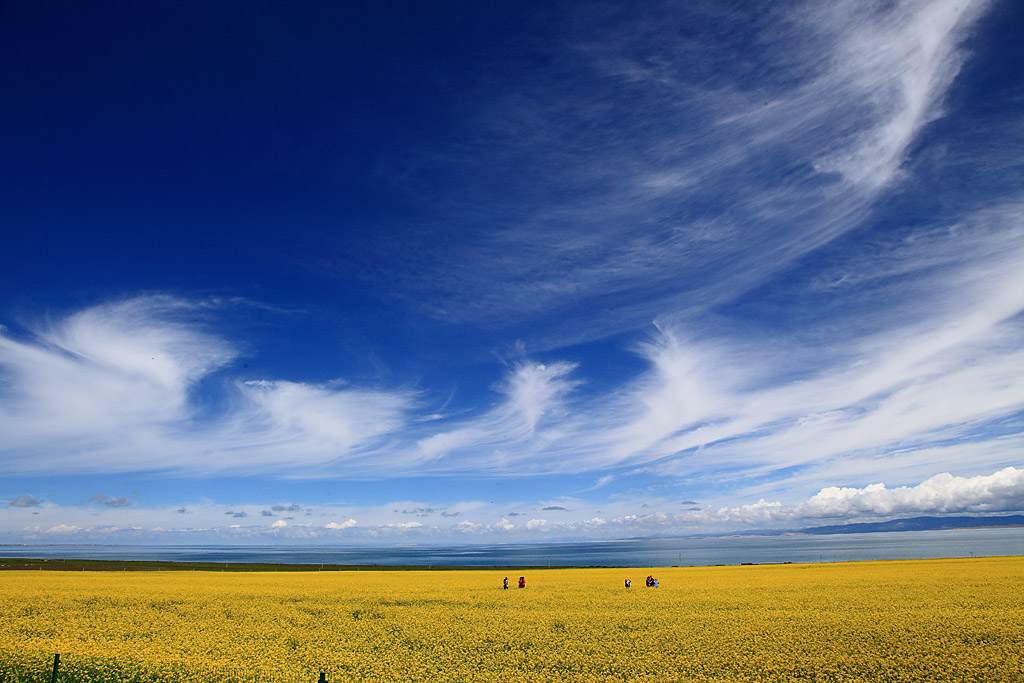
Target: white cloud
(941, 360)
(121, 369)
(635, 144)
(941, 494)
(434, 446)
(896, 65)
(534, 389)
(938, 360)
(110, 389)
(688, 385)
(626, 516)
(912, 362)
(514, 430)
(347, 524)
(315, 424)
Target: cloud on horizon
(941, 495)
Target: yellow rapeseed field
(932, 620)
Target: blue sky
(458, 272)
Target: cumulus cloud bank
(941, 494)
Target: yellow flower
(938, 620)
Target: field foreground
(936, 620)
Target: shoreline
(73, 565)
(77, 565)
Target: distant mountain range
(908, 524)
(917, 524)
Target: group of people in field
(651, 582)
(522, 582)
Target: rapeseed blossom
(937, 620)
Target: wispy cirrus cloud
(656, 187)
(115, 388)
(938, 360)
(286, 426)
(511, 434)
(111, 374)
(645, 188)
(935, 372)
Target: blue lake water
(685, 552)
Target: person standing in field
(505, 583)
(627, 583)
(522, 582)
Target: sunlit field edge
(939, 620)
